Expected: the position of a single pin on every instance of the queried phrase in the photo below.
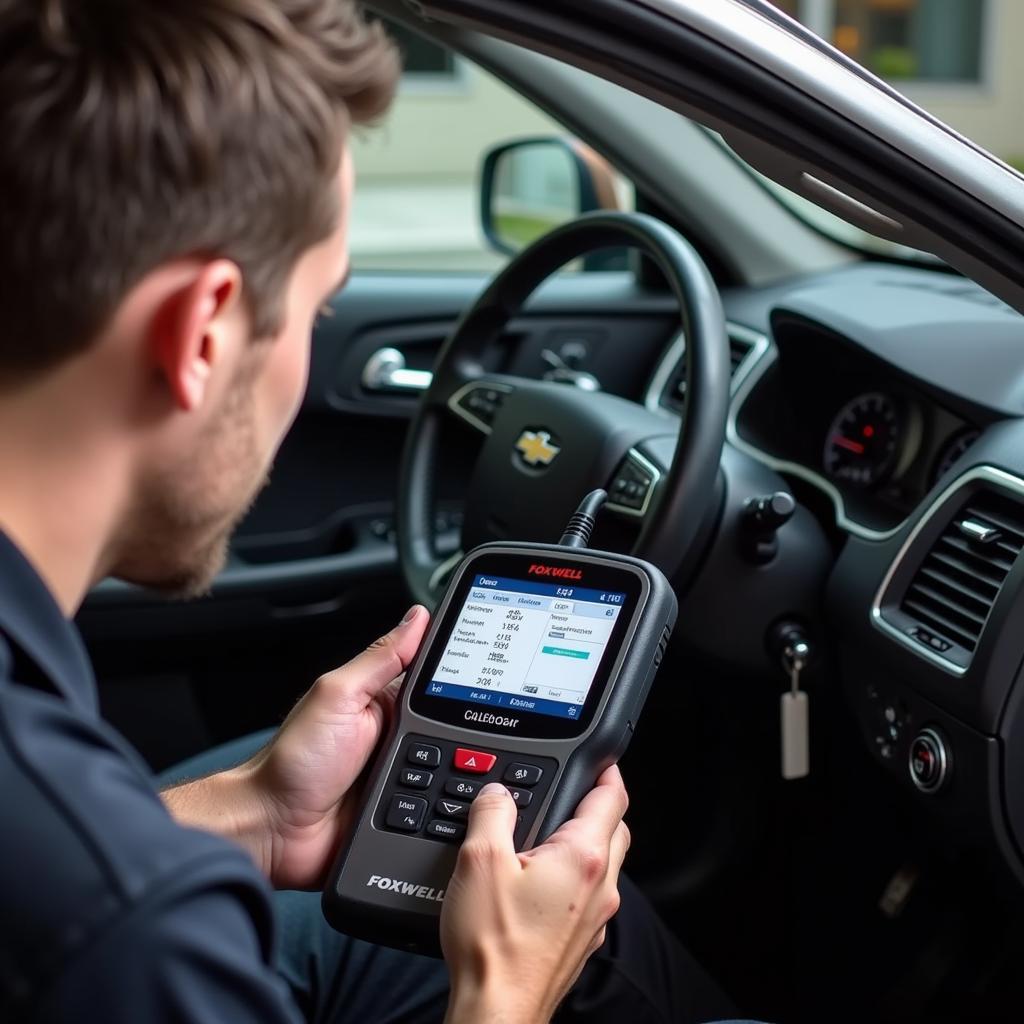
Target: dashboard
(869, 385)
(865, 433)
(890, 402)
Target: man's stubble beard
(176, 539)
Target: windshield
(956, 59)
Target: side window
(417, 199)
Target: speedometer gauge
(863, 440)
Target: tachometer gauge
(952, 450)
(863, 441)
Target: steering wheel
(546, 444)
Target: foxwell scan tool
(533, 673)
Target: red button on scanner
(474, 761)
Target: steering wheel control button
(406, 813)
(522, 797)
(483, 403)
(411, 778)
(929, 761)
(523, 774)
(453, 808)
(631, 487)
(464, 788)
(424, 754)
(451, 831)
(473, 761)
(479, 404)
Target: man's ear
(194, 330)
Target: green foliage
(893, 62)
(521, 229)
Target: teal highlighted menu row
(565, 652)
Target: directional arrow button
(453, 808)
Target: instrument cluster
(864, 435)
(874, 437)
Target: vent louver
(674, 395)
(955, 587)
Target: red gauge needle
(850, 445)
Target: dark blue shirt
(110, 911)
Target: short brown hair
(137, 131)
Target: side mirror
(530, 186)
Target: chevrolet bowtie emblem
(536, 448)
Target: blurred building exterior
(959, 59)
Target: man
(175, 195)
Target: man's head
(173, 214)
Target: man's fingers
(619, 849)
(357, 682)
(599, 813)
(492, 821)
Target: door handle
(385, 370)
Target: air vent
(954, 589)
(674, 395)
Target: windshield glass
(956, 59)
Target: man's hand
(292, 803)
(516, 929)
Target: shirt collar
(34, 624)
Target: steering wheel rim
(686, 496)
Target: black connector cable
(581, 522)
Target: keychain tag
(795, 735)
(793, 718)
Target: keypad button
(523, 774)
(465, 788)
(406, 813)
(522, 797)
(452, 808)
(474, 761)
(424, 755)
(450, 830)
(413, 778)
